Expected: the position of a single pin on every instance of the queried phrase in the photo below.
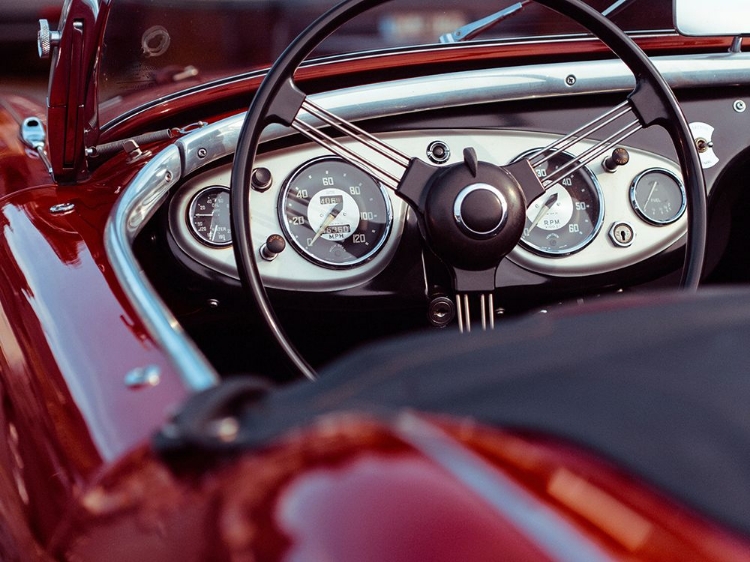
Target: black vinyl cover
(658, 383)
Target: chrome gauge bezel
(641, 213)
(300, 249)
(191, 214)
(597, 226)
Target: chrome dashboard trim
(442, 91)
(135, 206)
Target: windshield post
(72, 97)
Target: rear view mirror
(701, 18)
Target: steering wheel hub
(480, 210)
(474, 215)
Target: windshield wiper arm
(471, 30)
(615, 7)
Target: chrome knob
(46, 39)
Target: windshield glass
(155, 47)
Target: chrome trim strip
(136, 205)
(546, 529)
(141, 198)
(401, 97)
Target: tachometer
(568, 215)
(334, 214)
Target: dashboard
(597, 231)
(333, 226)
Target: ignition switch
(621, 234)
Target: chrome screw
(570, 80)
(202, 152)
(740, 106)
(62, 208)
(141, 377)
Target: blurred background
(21, 69)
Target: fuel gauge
(658, 196)
(208, 216)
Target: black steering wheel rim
(276, 102)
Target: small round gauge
(568, 215)
(658, 196)
(335, 214)
(208, 216)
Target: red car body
(80, 478)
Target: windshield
(154, 47)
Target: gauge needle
(326, 223)
(543, 211)
(650, 193)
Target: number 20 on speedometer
(334, 214)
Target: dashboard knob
(261, 179)
(46, 39)
(275, 244)
(619, 157)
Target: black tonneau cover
(659, 383)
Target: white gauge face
(568, 215)
(551, 217)
(333, 215)
(658, 196)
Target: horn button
(474, 214)
(481, 210)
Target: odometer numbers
(334, 214)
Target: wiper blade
(471, 30)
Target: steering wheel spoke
(369, 153)
(623, 112)
(486, 311)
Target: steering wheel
(471, 213)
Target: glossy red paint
(352, 488)
(172, 110)
(68, 337)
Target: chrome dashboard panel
(292, 272)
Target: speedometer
(568, 215)
(335, 214)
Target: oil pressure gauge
(658, 196)
(208, 216)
